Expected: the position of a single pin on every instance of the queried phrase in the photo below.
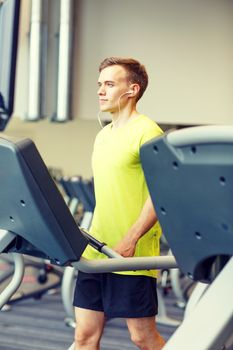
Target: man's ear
(134, 90)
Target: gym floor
(39, 325)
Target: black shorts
(116, 295)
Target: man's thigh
(89, 321)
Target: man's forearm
(145, 221)
(147, 218)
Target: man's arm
(147, 218)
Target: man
(124, 216)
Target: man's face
(112, 85)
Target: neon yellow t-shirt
(120, 187)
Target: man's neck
(120, 119)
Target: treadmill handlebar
(100, 246)
(126, 264)
(92, 241)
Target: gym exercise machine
(190, 177)
(197, 163)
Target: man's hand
(126, 247)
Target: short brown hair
(136, 72)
